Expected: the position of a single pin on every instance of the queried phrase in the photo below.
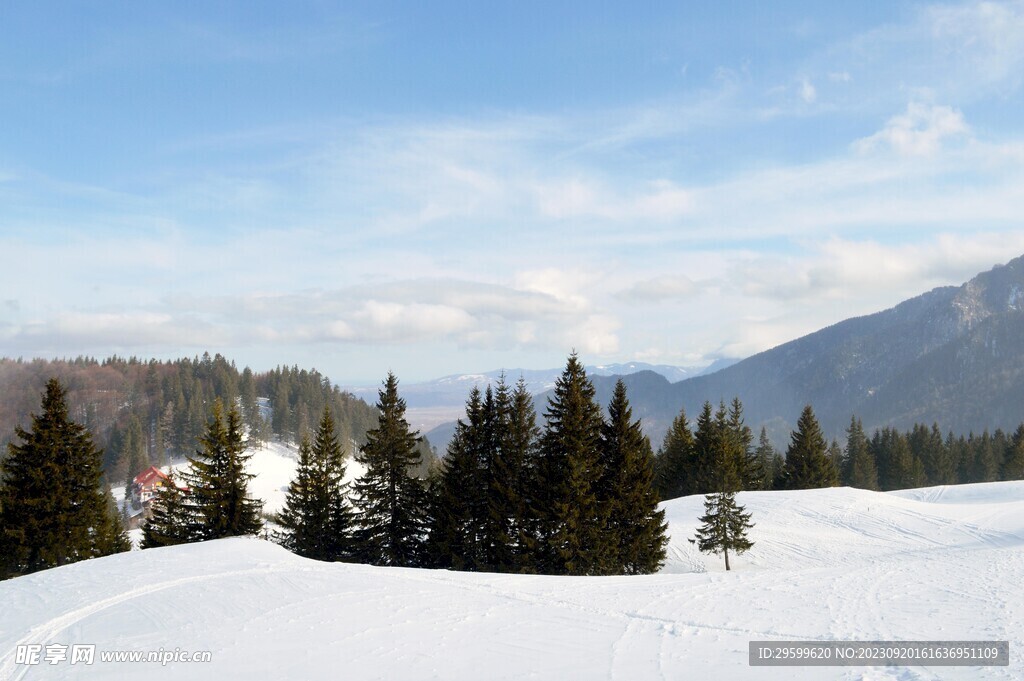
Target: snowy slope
(944, 563)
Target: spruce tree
(169, 522)
(460, 495)
(53, 510)
(704, 441)
(391, 503)
(572, 517)
(676, 463)
(218, 499)
(316, 516)
(768, 459)
(859, 470)
(514, 440)
(635, 528)
(752, 473)
(807, 462)
(724, 524)
(514, 485)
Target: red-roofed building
(139, 498)
(146, 483)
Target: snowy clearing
(938, 563)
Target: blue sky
(434, 188)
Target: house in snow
(146, 484)
(144, 489)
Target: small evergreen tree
(724, 524)
(807, 462)
(391, 503)
(53, 510)
(169, 521)
(636, 527)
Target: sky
(454, 187)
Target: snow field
(939, 563)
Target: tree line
(576, 497)
(151, 412)
(887, 460)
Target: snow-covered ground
(939, 563)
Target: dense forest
(151, 412)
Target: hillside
(151, 412)
(938, 563)
(954, 355)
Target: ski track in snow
(45, 632)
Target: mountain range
(953, 355)
(452, 390)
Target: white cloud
(920, 131)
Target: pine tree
(571, 540)
(316, 515)
(807, 462)
(752, 473)
(724, 524)
(514, 485)
(860, 470)
(52, 508)
(636, 528)
(675, 466)
(218, 499)
(391, 503)
(704, 441)
(460, 494)
(169, 522)
(769, 460)
(514, 435)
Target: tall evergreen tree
(860, 470)
(514, 484)
(218, 499)
(571, 514)
(513, 444)
(635, 526)
(676, 462)
(316, 518)
(807, 462)
(53, 510)
(752, 473)
(391, 503)
(724, 524)
(705, 440)
(769, 460)
(459, 501)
